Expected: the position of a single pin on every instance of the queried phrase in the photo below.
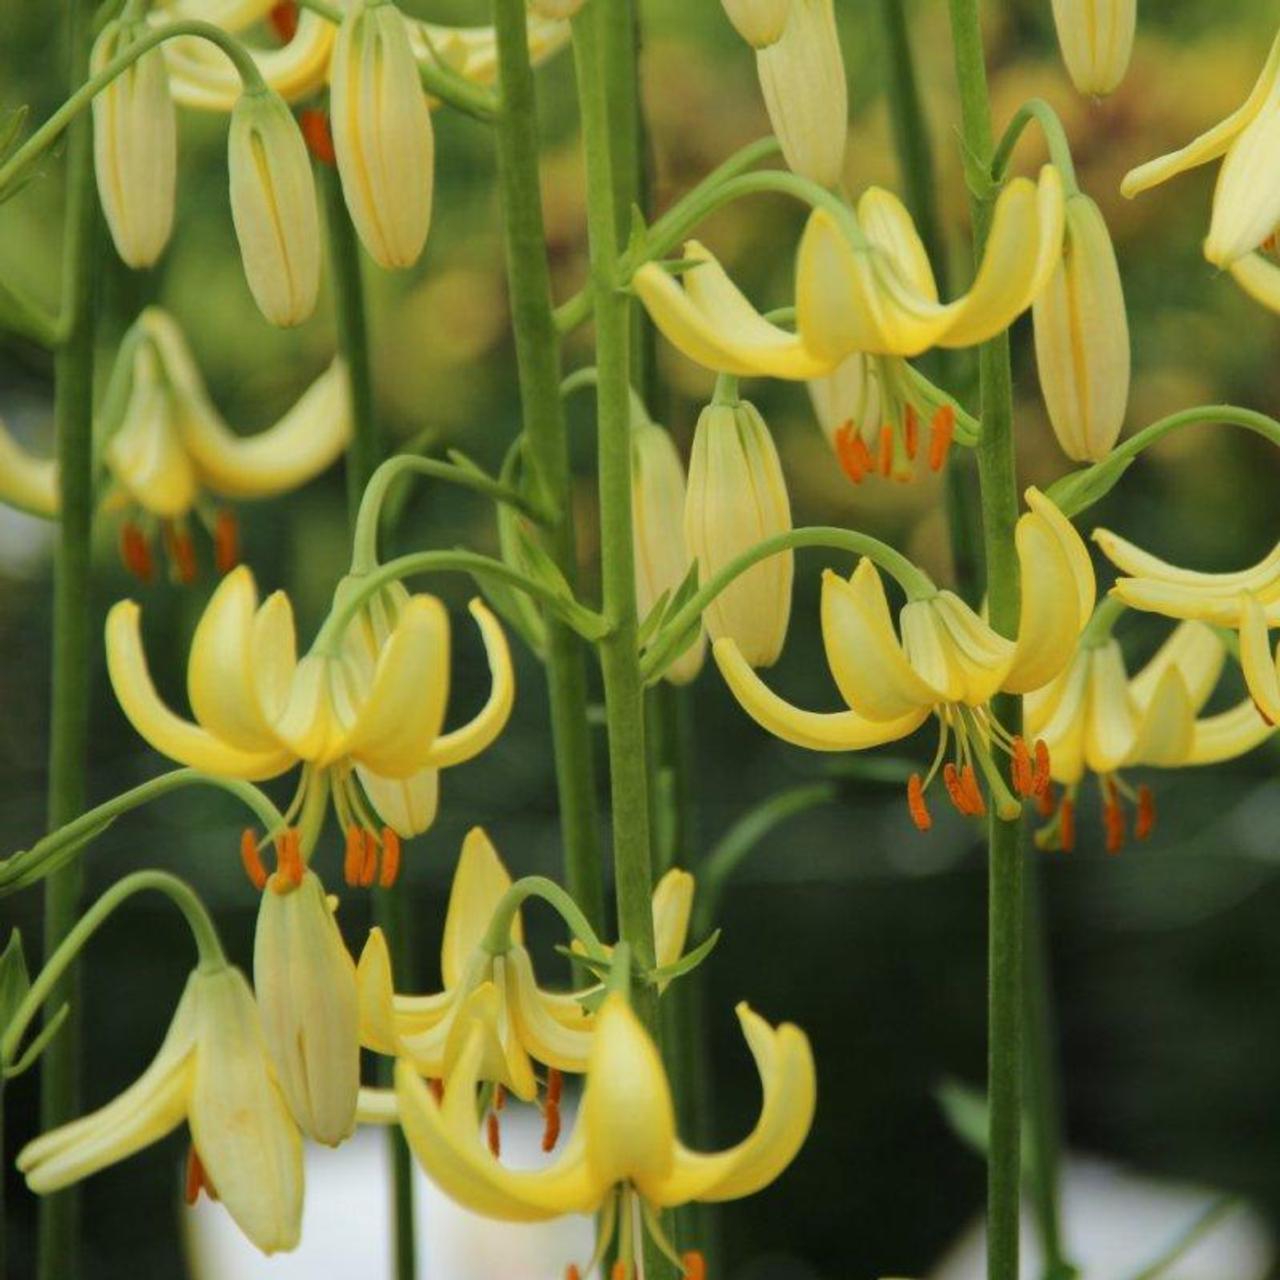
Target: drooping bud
(759, 22)
(1096, 38)
(382, 133)
(306, 987)
(803, 80)
(1082, 338)
(661, 552)
(135, 147)
(738, 497)
(273, 205)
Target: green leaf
(15, 981)
(1079, 490)
(687, 962)
(11, 128)
(965, 1110)
(39, 1044)
(652, 619)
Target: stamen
(437, 1090)
(969, 780)
(1067, 824)
(951, 780)
(353, 859)
(862, 453)
(1113, 816)
(1022, 776)
(571, 1272)
(369, 865)
(944, 425)
(499, 1097)
(390, 858)
(886, 450)
(555, 1086)
(915, 803)
(289, 858)
(252, 861)
(181, 550)
(1042, 780)
(621, 1270)
(550, 1125)
(847, 455)
(135, 551)
(695, 1266)
(1046, 802)
(1145, 822)
(196, 1179)
(315, 132)
(911, 432)
(493, 1134)
(284, 20)
(226, 541)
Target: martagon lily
(946, 662)
(363, 716)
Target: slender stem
(59, 1215)
(1209, 1218)
(1055, 136)
(538, 360)
(497, 939)
(998, 480)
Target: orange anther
(226, 541)
(555, 1087)
(911, 430)
(1046, 802)
(915, 803)
(353, 858)
(694, 1265)
(493, 1134)
(847, 455)
(289, 857)
(284, 20)
(390, 868)
(969, 780)
(944, 426)
(437, 1090)
(886, 450)
(196, 1179)
(951, 780)
(620, 1271)
(1145, 822)
(862, 453)
(1042, 778)
(316, 133)
(1113, 818)
(1067, 824)
(369, 863)
(499, 1097)
(135, 551)
(249, 856)
(550, 1126)
(1021, 766)
(182, 553)
(571, 1272)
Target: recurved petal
(306, 721)
(1246, 201)
(1260, 579)
(407, 805)
(814, 730)
(839, 307)
(540, 1021)
(375, 997)
(1228, 734)
(26, 482)
(889, 226)
(1195, 651)
(1261, 666)
(504, 1059)
(1259, 277)
(867, 660)
(787, 1077)
(1058, 713)
(1111, 727)
(170, 734)
(478, 886)
(1166, 726)
(478, 733)
(711, 322)
(976, 654)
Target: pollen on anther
(369, 863)
(252, 860)
(1046, 801)
(390, 868)
(847, 455)
(494, 1134)
(550, 1125)
(196, 1179)
(571, 1272)
(289, 856)
(916, 804)
(135, 551)
(437, 1090)
(969, 781)
(1067, 824)
(1021, 767)
(284, 20)
(1145, 821)
(1113, 820)
(316, 133)
(620, 1271)
(1041, 778)
(944, 425)
(951, 780)
(226, 541)
(353, 858)
(911, 432)
(555, 1086)
(694, 1265)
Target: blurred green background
(1165, 959)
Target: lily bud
(737, 497)
(382, 133)
(1096, 38)
(759, 22)
(802, 77)
(135, 147)
(1082, 338)
(273, 205)
(661, 551)
(306, 985)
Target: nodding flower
(364, 718)
(943, 661)
(758, 22)
(1095, 718)
(1096, 39)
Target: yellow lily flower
(948, 663)
(212, 1071)
(522, 1022)
(1096, 39)
(135, 147)
(172, 447)
(662, 558)
(305, 981)
(27, 482)
(364, 720)
(1094, 718)
(738, 497)
(624, 1154)
(862, 287)
(1246, 201)
(473, 51)
(758, 22)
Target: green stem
(59, 1215)
(497, 939)
(1054, 134)
(48, 984)
(538, 362)
(998, 480)
(1203, 1224)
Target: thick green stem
(998, 480)
(538, 361)
(59, 1215)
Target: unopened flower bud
(1082, 338)
(661, 552)
(382, 133)
(273, 205)
(758, 22)
(802, 77)
(135, 147)
(1096, 38)
(306, 986)
(737, 498)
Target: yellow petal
(1261, 667)
(711, 322)
(407, 805)
(26, 482)
(1096, 38)
(307, 722)
(1058, 713)
(867, 660)
(672, 907)
(1246, 201)
(1259, 277)
(376, 996)
(1228, 734)
(814, 730)
(978, 657)
(179, 739)
(1213, 143)
(1126, 557)
(1166, 730)
(758, 22)
(540, 1019)
(787, 1077)
(478, 733)
(889, 226)
(1111, 726)
(1198, 655)
(478, 886)
(503, 1059)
